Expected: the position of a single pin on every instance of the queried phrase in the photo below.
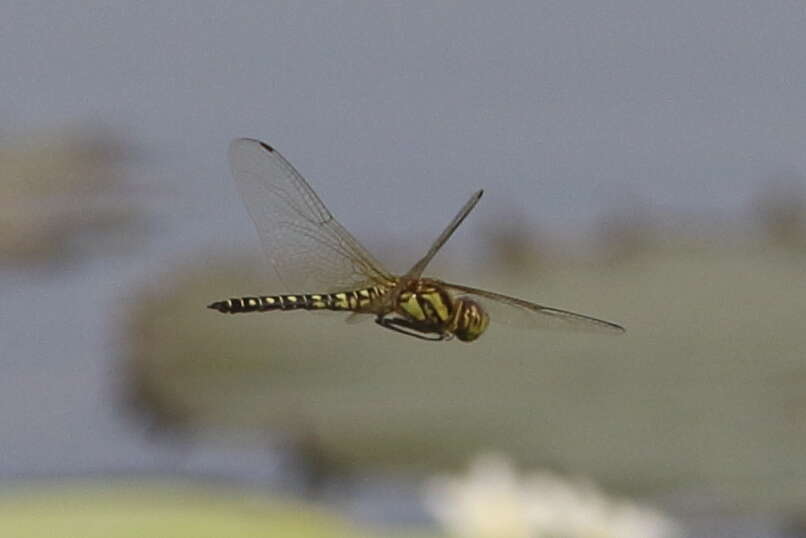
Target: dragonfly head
(470, 320)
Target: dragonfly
(311, 251)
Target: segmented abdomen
(348, 300)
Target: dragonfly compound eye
(471, 320)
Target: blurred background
(644, 162)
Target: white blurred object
(494, 501)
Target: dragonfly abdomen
(342, 301)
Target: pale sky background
(396, 112)
(559, 107)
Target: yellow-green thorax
(432, 308)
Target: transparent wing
(419, 267)
(309, 249)
(519, 313)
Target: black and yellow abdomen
(357, 300)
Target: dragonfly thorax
(432, 309)
(424, 302)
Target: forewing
(519, 313)
(309, 249)
(419, 267)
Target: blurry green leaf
(135, 510)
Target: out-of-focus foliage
(493, 500)
(624, 236)
(513, 246)
(135, 510)
(781, 209)
(702, 394)
(57, 190)
(176, 347)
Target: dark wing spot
(267, 147)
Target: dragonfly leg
(410, 328)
